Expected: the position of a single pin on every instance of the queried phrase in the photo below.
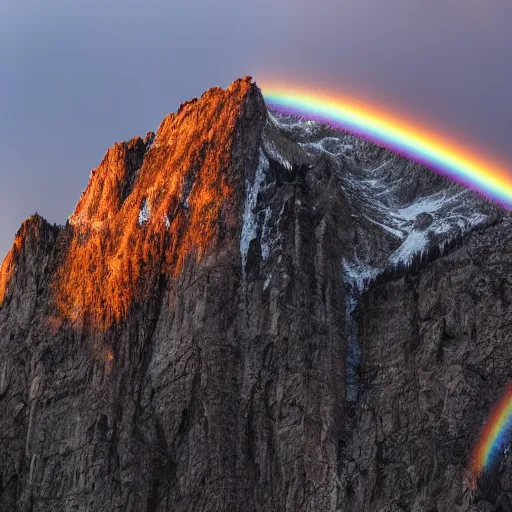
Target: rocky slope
(207, 332)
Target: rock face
(436, 355)
(236, 318)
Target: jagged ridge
(35, 238)
(189, 342)
(148, 207)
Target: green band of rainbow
(438, 154)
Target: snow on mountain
(144, 213)
(249, 226)
(401, 208)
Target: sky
(77, 76)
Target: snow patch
(144, 212)
(357, 274)
(429, 204)
(249, 225)
(330, 145)
(290, 123)
(415, 242)
(274, 154)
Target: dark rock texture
(436, 352)
(189, 340)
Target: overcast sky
(76, 76)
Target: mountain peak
(109, 183)
(152, 203)
(250, 312)
(33, 241)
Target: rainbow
(437, 153)
(495, 434)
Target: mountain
(252, 312)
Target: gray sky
(77, 76)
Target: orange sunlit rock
(8, 267)
(109, 361)
(147, 208)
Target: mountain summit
(252, 312)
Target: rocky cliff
(250, 312)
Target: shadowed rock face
(436, 352)
(181, 344)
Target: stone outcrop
(190, 340)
